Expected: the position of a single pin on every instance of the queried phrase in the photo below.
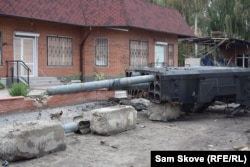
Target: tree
(231, 16)
(221, 16)
(190, 10)
(242, 13)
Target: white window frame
(35, 36)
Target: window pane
(101, 52)
(59, 50)
(138, 53)
(17, 47)
(28, 50)
(171, 55)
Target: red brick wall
(20, 103)
(43, 28)
(119, 48)
(15, 104)
(77, 98)
(118, 45)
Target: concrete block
(111, 120)
(163, 112)
(31, 140)
(142, 101)
(121, 94)
(139, 103)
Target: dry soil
(210, 130)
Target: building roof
(108, 13)
(221, 42)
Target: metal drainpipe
(81, 53)
(71, 127)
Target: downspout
(82, 55)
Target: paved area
(33, 92)
(4, 93)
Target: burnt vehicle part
(195, 88)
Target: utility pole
(195, 27)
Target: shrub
(19, 89)
(2, 86)
(99, 76)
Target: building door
(25, 49)
(160, 55)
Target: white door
(25, 50)
(160, 54)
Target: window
(59, 51)
(243, 61)
(171, 55)
(0, 48)
(138, 53)
(101, 52)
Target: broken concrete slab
(163, 111)
(111, 120)
(142, 101)
(139, 103)
(28, 140)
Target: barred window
(138, 53)
(59, 51)
(171, 55)
(101, 52)
(0, 48)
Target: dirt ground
(210, 130)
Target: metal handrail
(26, 67)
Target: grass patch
(19, 89)
(2, 86)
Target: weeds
(19, 89)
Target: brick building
(60, 38)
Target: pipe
(87, 86)
(142, 86)
(81, 53)
(82, 127)
(70, 127)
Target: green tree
(190, 10)
(221, 16)
(242, 15)
(231, 16)
(195, 14)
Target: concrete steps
(44, 82)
